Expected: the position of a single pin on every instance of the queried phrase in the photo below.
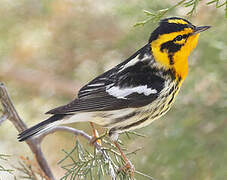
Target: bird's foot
(128, 168)
(95, 138)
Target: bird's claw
(96, 138)
(128, 168)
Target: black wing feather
(93, 104)
(93, 96)
(108, 77)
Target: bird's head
(171, 43)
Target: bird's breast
(134, 118)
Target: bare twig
(10, 112)
(77, 132)
(74, 131)
(9, 109)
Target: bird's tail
(41, 127)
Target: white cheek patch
(122, 93)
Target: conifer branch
(155, 16)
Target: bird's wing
(128, 85)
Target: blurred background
(49, 49)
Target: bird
(135, 92)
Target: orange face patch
(179, 57)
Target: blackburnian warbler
(135, 92)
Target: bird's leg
(128, 167)
(95, 137)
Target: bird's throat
(180, 66)
(178, 61)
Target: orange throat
(180, 66)
(180, 58)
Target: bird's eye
(179, 38)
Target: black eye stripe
(180, 37)
(170, 46)
(173, 47)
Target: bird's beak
(200, 29)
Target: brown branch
(74, 131)
(77, 132)
(10, 111)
